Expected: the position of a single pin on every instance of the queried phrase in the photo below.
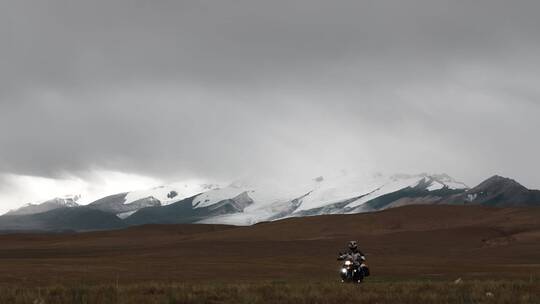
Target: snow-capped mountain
(248, 202)
(497, 191)
(68, 201)
(125, 204)
(343, 193)
(122, 204)
(169, 194)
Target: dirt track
(417, 241)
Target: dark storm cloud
(225, 88)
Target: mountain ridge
(55, 203)
(239, 204)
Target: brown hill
(415, 241)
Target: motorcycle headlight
(348, 263)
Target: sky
(99, 97)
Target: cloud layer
(223, 89)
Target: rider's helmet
(353, 245)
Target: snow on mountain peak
(169, 194)
(271, 199)
(65, 200)
(431, 182)
(276, 200)
(324, 190)
(43, 206)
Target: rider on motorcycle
(356, 257)
(354, 254)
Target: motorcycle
(353, 272)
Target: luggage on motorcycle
(365, 270)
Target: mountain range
(243, 203)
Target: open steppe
(414, 245)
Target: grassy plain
(415, 255)
(410, 292)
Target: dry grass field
(283, 292)
(415, 254)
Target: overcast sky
(118, 94)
